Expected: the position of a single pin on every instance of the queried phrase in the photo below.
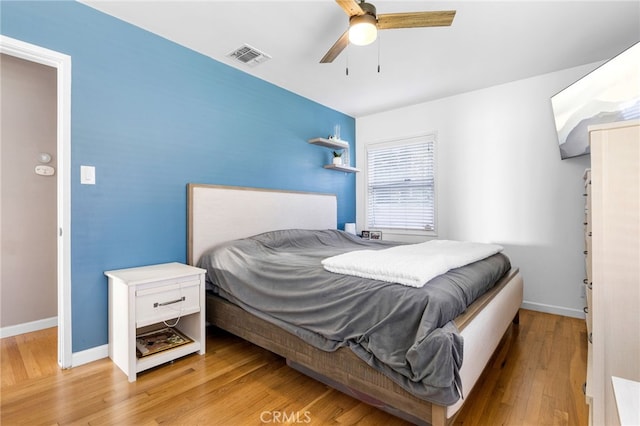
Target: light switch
(88, 175)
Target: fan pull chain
(347, 69)
(378, 53)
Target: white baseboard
(552, 309)
(89, 355)
(28, 327)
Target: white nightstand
(150, 298)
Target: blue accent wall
(152, 116)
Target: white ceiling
(489, 43)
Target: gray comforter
(405, 332)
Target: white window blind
(401, 184)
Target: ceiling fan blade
(442, 18)
(350, 7)
(336, 49)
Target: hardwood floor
(535, 378)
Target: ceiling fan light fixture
(362, 29)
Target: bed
(220, 214)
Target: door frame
(62, 63)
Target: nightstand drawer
(165, 302)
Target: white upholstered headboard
(222, 213)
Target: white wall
(28, 241)
(501, 179)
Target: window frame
(399, 142)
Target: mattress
(404, 332)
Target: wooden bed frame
(221, 213)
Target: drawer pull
(590, 338)
(171, 302)
(586, 309)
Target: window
(401, 184)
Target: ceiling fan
(364, 24)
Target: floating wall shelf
(346, 169)
(336, 144)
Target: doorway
(28, 188)
(62, 65)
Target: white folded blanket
(412, 265)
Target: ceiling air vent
(249, 55)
